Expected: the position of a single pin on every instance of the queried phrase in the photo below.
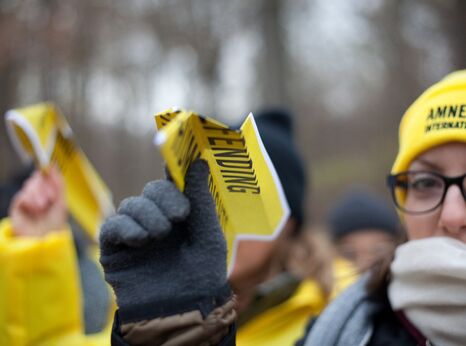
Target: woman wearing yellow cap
(420, 297)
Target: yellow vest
(285, 323)
(40, 292)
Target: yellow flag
(248, 195)
(41, 133)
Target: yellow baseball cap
(438, 116)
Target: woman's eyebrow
(429, 164)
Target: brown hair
(380, 272)
(311, 258)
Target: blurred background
(347, 69)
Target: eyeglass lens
(419, 191)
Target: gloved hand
(164, 252)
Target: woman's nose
(453, 216)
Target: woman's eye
(426, 183)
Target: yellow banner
(41, 133)
(248, 195)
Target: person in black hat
(276, 282)
(364, 228)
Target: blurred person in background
(364, 228)
(53, 292)
(280, 284)
(165, 256)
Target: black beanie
(361, 210)
(276, 130)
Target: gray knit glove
(164, 252)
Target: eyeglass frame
(448, 181)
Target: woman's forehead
(449, 159)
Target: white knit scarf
(429, 285)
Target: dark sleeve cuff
(218, 328)
(230, 338)
(116, 337)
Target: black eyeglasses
(418, 192)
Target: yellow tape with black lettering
(41, 133)
(248, 195)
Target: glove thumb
(203, 216)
